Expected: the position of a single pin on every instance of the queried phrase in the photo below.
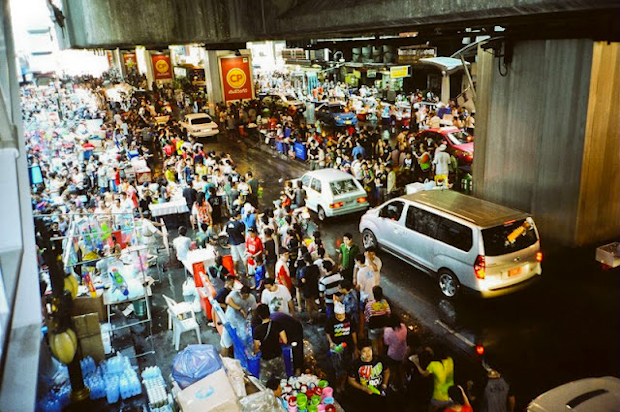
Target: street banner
(130, 61)
(236, 78)
(162, 69)
(110, 57)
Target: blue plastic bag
(194, 363)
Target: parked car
(467, 244)
(284, 100)
(332, 192)
(459, 144)
(199, 125)
(336, 114)
(584, 395)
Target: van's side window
(392, 211)
(422, 221)
(305, 181)
(316, 185)
(455, 234)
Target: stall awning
(447, 64)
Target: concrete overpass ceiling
(155, 23)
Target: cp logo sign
(236, 78)
(161, 66)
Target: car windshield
(340, 187)
(458, 138)
(336, 109)
(289, 97)
(201, 120)
(509, 237)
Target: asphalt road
(565, 327)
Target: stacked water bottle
(93, 378)
(56, 400)
(120, 379)
(159, 400)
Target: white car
(199, 125)
(284, 100)
(584, 395)
(332, 192)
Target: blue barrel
(287, 354)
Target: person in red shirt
(117, 179)
(88, 149)
(458, 396)
(253, 249)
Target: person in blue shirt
(248, 216)
(359, 149)
(259, 274)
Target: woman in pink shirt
(395, 338)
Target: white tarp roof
(449, 64)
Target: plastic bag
(194, 363)
(264, 401)
(235, 375)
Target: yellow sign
(398, 72)
(236, 78)
(162, 66)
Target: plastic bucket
(254, 365)
(139, 307)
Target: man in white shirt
(365, 278)
(181, 244)
(277, 297)
(441, 163)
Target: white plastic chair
(181, 318)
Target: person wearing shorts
(239, 304)
(236, 238)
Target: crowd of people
(383, 165)
(288, 274)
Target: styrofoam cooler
(212, 393)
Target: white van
(466, 243)
(332, 192)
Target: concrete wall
(532, 149)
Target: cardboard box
(88, 331)
(92, 346)
(86, 325)
(213, 393)
(87, 304)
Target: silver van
(466, 243)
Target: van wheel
(369, 239)
(448, 283)
(321, 214)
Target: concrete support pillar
(145, 65)
(562, 168)
(445, 87)
(117, 60)
(212, 77)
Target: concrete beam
(117, 23)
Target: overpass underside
(155, 23)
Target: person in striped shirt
(329, 286)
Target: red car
(459, 143)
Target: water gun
(376, 391)
(339, 348)
(118, 282)
(89, 283)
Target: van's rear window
(509, 238)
